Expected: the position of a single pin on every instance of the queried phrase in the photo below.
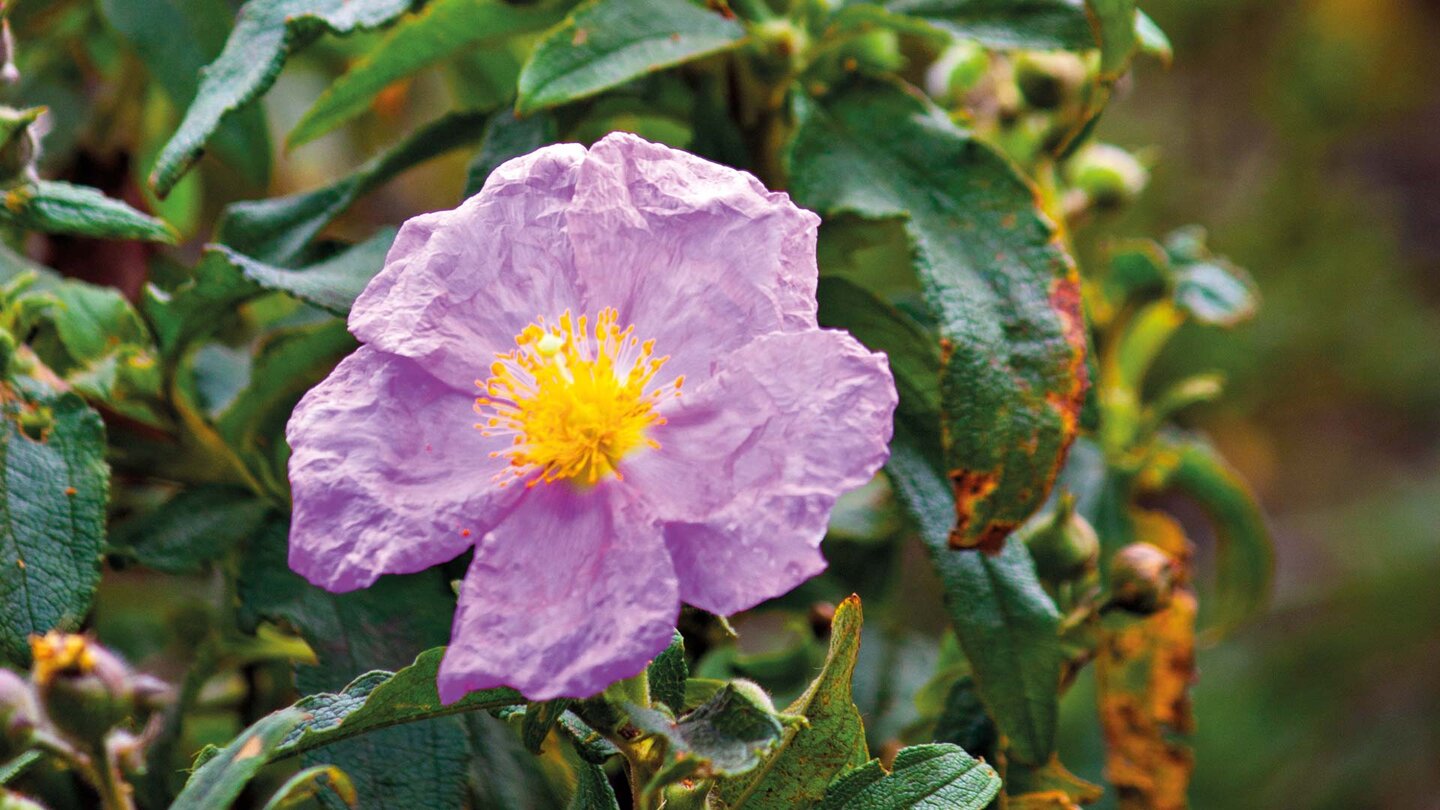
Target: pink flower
(658, 417)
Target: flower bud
(1048, 80)
(1107, 174)
(10, 800)
(85, 689)
(957, 70)
(1064, 547)
(17, 143)
(18, 714)
(1142, 579)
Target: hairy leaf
(937, 775)
(609, 42)
(277, 230)
(53, 206)
(667, 674)
(266, 32)
(1004, 293)
(438, 30)
(53, 488)
(176, 39)
(217, 783)
(728, 734)
(832, 740)
(1042, 24)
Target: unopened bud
(85, 689)
(1107, 174)
(18, 714)
(1049, 80)
(17, 141)
(1142, 579)
(1065, 546)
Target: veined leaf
(332, 284)
(52, 206)
(217, 783)
(609, 42)
(266, 32)
(53, 488)
(192, 529)
(277, 230)
(438, 30)
(176, 39)
(938, 775)
(1004, 621)
(1004, 292)
(667, 675)
(509, 136)
(728, 734)
(1040, 24)
(833, 739)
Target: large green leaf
(412, 765)
(217, 783)
(381, 699)
(176, 39)
(189, 531)
(1002, 289)
(332, 284)
(266, 32)
(277, 230)
(832, 740)
(1245, 558)
(1043, 24)
(438, 30)
(609, 42)
(937, 776)
(53, 206)
(1006, 624)
(53, 487)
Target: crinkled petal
(751, 462)
(387, 472)
(573, 592)
(697, 255)
(459, 285)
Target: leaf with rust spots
(1143, 672)
(1005, 299)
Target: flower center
(574, 400)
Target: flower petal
(388, 473)
(570, 594)
(751, 462)
(459, 285)
(697, 255)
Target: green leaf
(727, 734)
(277, 230)
(332, 284)
(53, 489)
(217, 783)
(385, 626)
(936, 775)
(1114, 24)
(176, 39)
(592, 789)
(832, 740)
(191, 530)
(312, 782)
(609, 42)
(1151, 39)
(1004, 292)
(1215, 292)
(380, 699)
(437, 31)
(1245, 558)
(266, 32)
(508, 136)
(1138, 271)
(1004, 621)
(1039, 24)
(18, 765)
(53, 206)
(667, 675)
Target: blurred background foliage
(1301, 132)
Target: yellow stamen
(60, 652)
(574, 401)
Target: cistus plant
(555, 491)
